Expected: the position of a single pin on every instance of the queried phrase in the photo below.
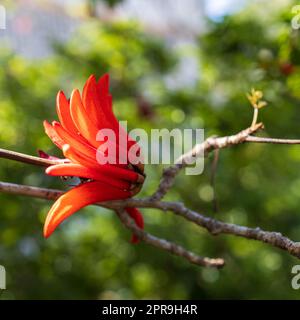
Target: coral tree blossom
(80, 119)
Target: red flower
(81, 118)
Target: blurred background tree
(256, 185)
(92, 5)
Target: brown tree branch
(201, 149)
(24, 190)
(51, 194)
(167, 245)
(213, 226)
(21, 157)
(208, 146)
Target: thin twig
(255, 116)
(201, 149)
(271, 140)
(209, 145)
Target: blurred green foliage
(90, 256)
(111, 3)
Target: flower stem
(255, 116)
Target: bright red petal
(44, 155)
(103, 85)
(82, 120)
(78, 170)
(76, 143)
(136, 215)
(52, 134)
(107, 169)
(76, 199)
(91, 102)
(64, 114)
(98, 103)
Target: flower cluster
(80, 119)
